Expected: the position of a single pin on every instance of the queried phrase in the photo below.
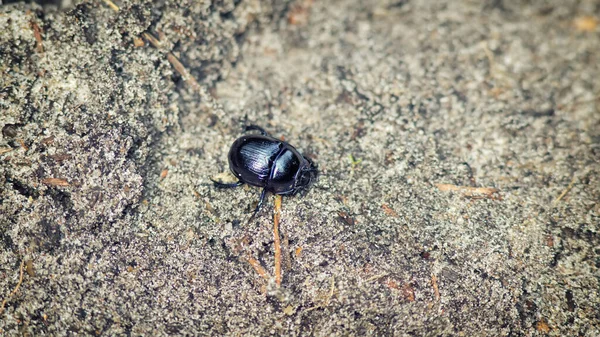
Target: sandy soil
(458, 144)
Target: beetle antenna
(313, 170)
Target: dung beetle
(263, 161)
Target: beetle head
(307, 175)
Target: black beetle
(264, 161)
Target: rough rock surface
(458, 144)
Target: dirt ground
(458, 145)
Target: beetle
(264, 161)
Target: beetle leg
(256, 127)
(226, 185)
(260, 203)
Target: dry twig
(259, 269)
(112, 5)
(187, 77)
(12, 293)
(37, 33)
(436, 290)
(389, 211)
(55, 182)
(471, 192)
(277, 242)
(327, 300)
